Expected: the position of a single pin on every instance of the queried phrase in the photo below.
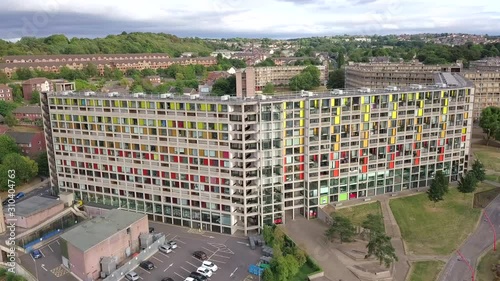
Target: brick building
(30, 143)
(5, 93)
(36, 84)
(28, 114)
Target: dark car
(36, 254)
(198, 276)
(151, 229)
(167, 279)
(5, 202)
(147, 265)
(200, 255)
(20, 195)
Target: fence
(134, 262)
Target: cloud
(241, 18)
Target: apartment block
(252, 80)
(383, 74)
(485, 74)
(228, 164)
(5, 93)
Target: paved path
(475, 245)
(401, 267)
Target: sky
(246, 18)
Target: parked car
(5, 202)
(198, 276)
(19, 195)
(147, 265)
(36, 254)
(190, 279)
(210, 265)
(172, 244)
(165, 249)
(204, 271)
(167, 279)
(151, 229)
(132, 276)
(200, 255)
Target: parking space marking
(50, 248)
(32, 258)
(157, 259)
(185, 269)
(145, 270)
(164, 254)
(192, 264)
(58, 242)
(43, 255)
(176, 239)
(168, 267)
(182, 277)
(209, 250)
(216, 261)
(221, 256)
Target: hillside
(112, 44)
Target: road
(476, 244)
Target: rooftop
(92, 232)
(28, 110)
(22, 137)
(458, 83)
(34, 205)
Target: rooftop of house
(28, 110)
(22, 137)
(3, 86)
(92, 232)
(34, 205)
(35, 81)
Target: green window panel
(323, 200)
(343, 196)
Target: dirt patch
(482, 199)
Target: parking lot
(232, 255)
(49, 267)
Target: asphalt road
(456, 269)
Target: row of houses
(38, 84)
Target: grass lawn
(439, 229)
(488, 155)
(357, 214)
(484, 272)
(425, 270)
(26, 129)
(491, 177)
(305, 270)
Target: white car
(204, 271)
(210, 265)
(165, 249)
(171, 244)
(132, 276)
(189, 279)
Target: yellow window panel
(337, 120)
(366, 135)
(336, 147)
(390, 97)
(302, 113)
(420, 112)
(444, 126)
(393, 132)
(301, 149)
(419, 137)
(337, 138)
(170, 123)
(284, 115)
(332, 129)
(393, 140)
(301, 132)
(395, 106)
(284, 124)
(466, 115)
(365, 143)
(301, 140)
(442, 94)
(302, 104)
(366, 117)
(394, 114)
(338, 110)
(464, 130)
(204, 135)
(446, 102)
(445, 110)
(142, 122)
(443, 134)
(178, 106)
(419, 129)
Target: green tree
(308, 79)
(278, 238)
(478, 170)
(38, 122)
(225, 86)
(3, 78)
(17, 93)
(82, 85)
(6, 107)
(266, 62)
(35, 97)
(267, 234)
(8, 145)
(341, 228)
(489, 121)
(467, 183)
(25, 169)
(137, 89)
(268, 89)
(90, 70)
(340, 59)
(43, 164)
(374, 223)
(438, 188)
(380, 246)
(300, 256)
(10, 120)
(268, 275)
(336, 79)
(24, 74)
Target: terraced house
(229, 164)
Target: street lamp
(494, 231)
(36, 270)
(468, 265)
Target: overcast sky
(246, 18)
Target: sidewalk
(27, 187)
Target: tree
(137, 89)
(6, 107)
(336, 79)
(342, 228)
(278, 238)
(467, 183)
(308, 79)
(300, 256)
(225, 86)
(374, 223)
(35, 97)
(90, 70)
(268, 275)
(24, 74)
(268, 89)
(38, 122)
(3, 78)
(17, 92)
(478, 170)
(10, 120)
(380, 246)
(267, 234)
(25, 169)
(489, 121)
(266, 62)
(438, 188)
(8, 145)
(43, 164)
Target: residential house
(5, 93)
(61, 85)
(36, 84)
(155, 80)
(30, 143)
(28, 114)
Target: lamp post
(468, 265)
(36, 270)
(494, 231)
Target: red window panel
(163, 157)
(393, 156)
(364, 169)
(441, 158)
(120, 153)
(302, 166)
(205, 162)
(174, 200)
(331, 155)
(163, 174)
(202, 178)
(96, 167)
(176, 159)
(336, 173)
(301, 158)
(464, 138)
(147, 156)
(284, 178)
(136, 172)
(284, 170)
(145, 172)
(173, 176)
(225, 154)
(96, 150)
(191, 177)
(388, 148)
(391, 165)
(217, 180)
(119, 169)
(301, 176)
(180, 124)
(151, 156)
(74, 148)
(418, 153)
(337, 163)
(204, 205)
(191, 160)
(73, 163)
(102, 151)
(315, 157)
(416, 161)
